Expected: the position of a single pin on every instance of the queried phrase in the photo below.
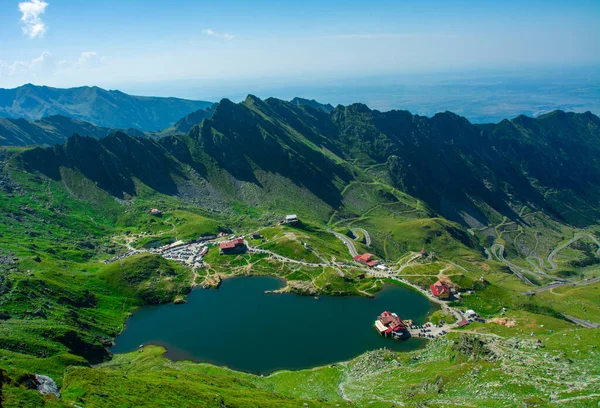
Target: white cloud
(212, 33)
(43, 63)
(88, 61)
(33, 26)
(45, 67)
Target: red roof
(392, 322)
(462, 323)
(439, 288)
(366, 259)
(231, 244)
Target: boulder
(46, 385)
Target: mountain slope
(240, 155)
(327, 108)
(478, 174)
(186, 123)
(386, 177)
(113, 109)
(473, 174)
(50, 131)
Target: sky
(144, 44)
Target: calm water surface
(241, 327)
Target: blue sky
(114, 43)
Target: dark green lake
(241, 327)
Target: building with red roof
(440, 290)
(389, 324)
(367, 259)
(232, 247)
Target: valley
(482, 209)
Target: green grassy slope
(66, 209)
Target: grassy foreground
(61, 306)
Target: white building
(291, 218)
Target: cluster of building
(189, 254)
(390, 325)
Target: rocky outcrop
(46, 385)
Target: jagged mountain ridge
(185, 124)
(51, 130)
(237, 155)
(282, 155)
(112, 109)
(548, 162)
(327, 108)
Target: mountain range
(507, 213)
(269, 152)
(113, 109)
(51, 130)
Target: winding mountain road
(365, 234)
(498, 251)
(566, 244)
(560, 284)
(348, 242)
(581, 322)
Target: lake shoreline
(265, 327)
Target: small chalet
(291, 218)
(367, 259)
(255, 235)
(156, 212)
(233, 247)
(389, 324)
(440, 290)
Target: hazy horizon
(486, 61)
(481, 96)
(63, 44)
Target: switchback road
(348, 242)
(364, 233)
